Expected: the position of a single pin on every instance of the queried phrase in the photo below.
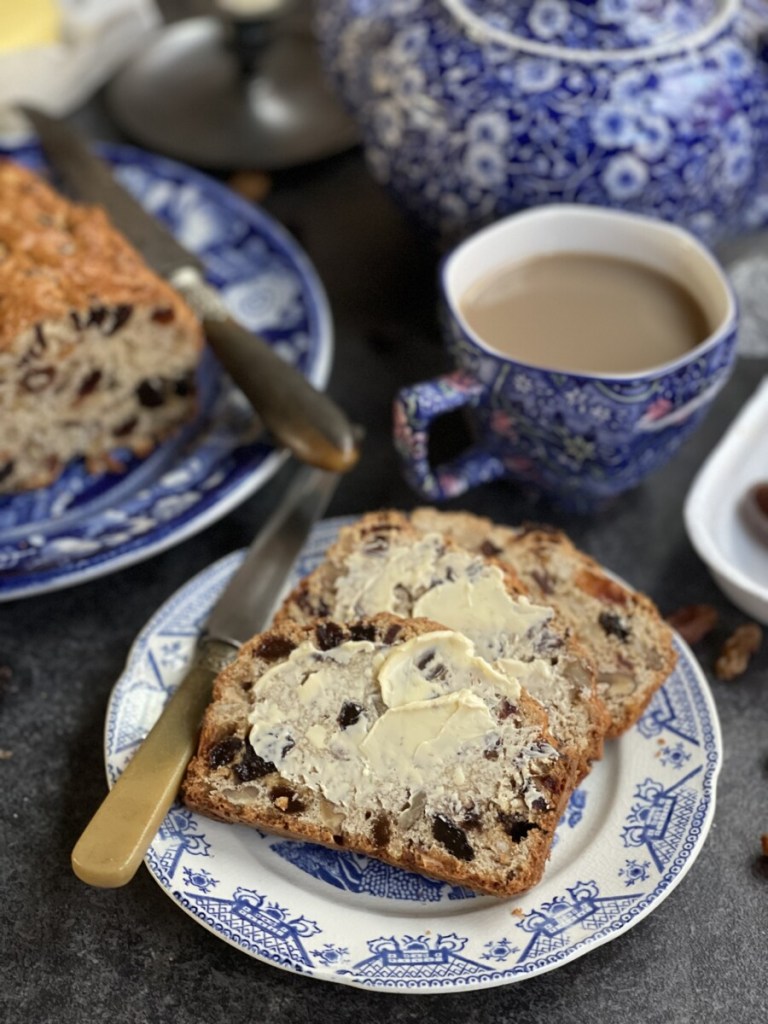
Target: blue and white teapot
(472, 109)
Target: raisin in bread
(96, 352)
(630, 643)
(381, 563)
(388, 737)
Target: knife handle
(299, 416)
(115, 841)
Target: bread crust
(59, 257)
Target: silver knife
(118, 836)
(299, 416)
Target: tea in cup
(588, 344)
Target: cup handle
(415, 408)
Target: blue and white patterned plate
(630, 833)
(86, 526)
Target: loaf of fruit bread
(631, 645)
(381, 563)
(97, 353)
(388, 737)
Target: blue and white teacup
(581, 437)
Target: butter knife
(299, 416)
(115, 841)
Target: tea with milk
(584, 313)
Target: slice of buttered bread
(388, 737)
(383, 563)
(630, 643)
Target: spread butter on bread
(388, 737)
(628, 641)
(383, 563)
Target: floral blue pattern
(580, 438)
(331, 955)
(634, 871)
(501, 950)
(359, 874)
(604, 25)
(200, 879)
(344, 918)
(84, 526)
(472, 109)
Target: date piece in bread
(382, 563)
(630, 643)
(387, 737)
(96, 352)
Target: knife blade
(299, 416)
(115, 841)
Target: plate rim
(137, 550)
(711, 768)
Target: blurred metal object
(243, 90)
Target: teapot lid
(596, 24)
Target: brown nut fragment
(616, 684)
(764, 843)
(737, 650)
(601, 587)
(693, 621)
(251, 185)
(286, 800)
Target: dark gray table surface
(72, 953)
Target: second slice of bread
(630, 643)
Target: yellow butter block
(28, 23)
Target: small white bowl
(737, 560)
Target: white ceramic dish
(630, 833)
(736, 558)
